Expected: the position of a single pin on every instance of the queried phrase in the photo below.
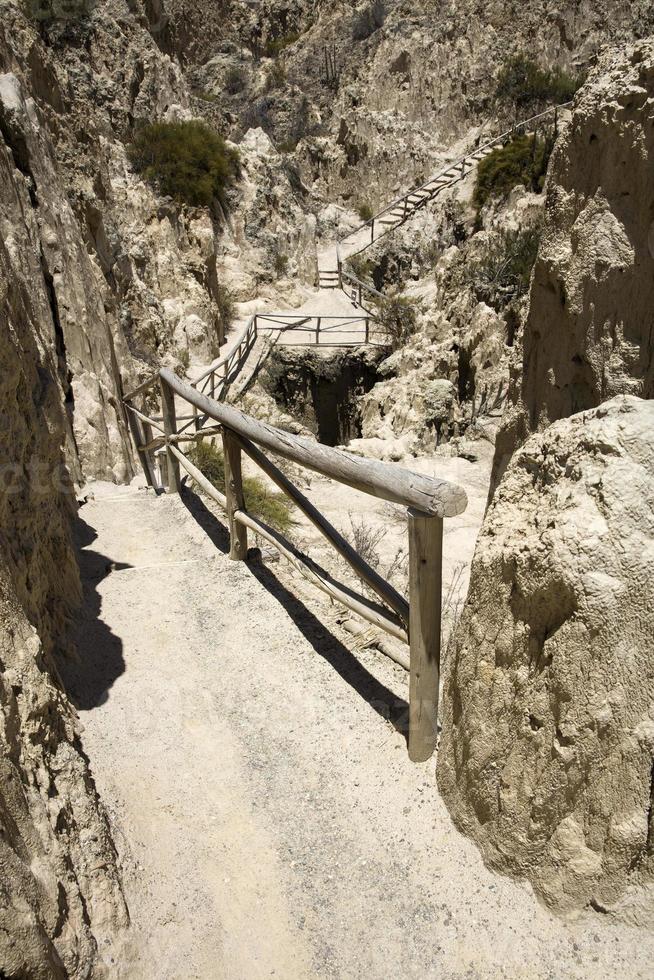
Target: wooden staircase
(404, 207)
(329, 279)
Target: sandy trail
(267, 817)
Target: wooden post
(372, 231)
(317, 331)
(367, 330)
(425, 584)
(170, 428)
(147, 438)
(238, 535)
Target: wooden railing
(429, 501)
(402, 208)
(293, 330)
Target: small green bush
(361, 267)
(523, 82)
(48, 12)
(275, 76)
(206, 96)
(364, 211)
(186, 160)
(522, 161)
(503, 272)
(272, 508)
(235, 80)
(226, 304)
(280, 264)
(183, 361)
(398, 317)
(275, 46)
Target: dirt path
(267, 817)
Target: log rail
(429, 501)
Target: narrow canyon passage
(266, 815)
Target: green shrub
(364, 211)
(503, 272)
(361, 267)
(522, 161)
(287, 146)
(235, 80)
(280, 264)
(186, 160)
(275, 76)
(48, 12)
(183, 361)
(398, 317)
(275, 46)
(226, 304)
(523, 82)
(272, 508)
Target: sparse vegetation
(235, 80)
(364, 211)
(186, 160)
(226, 304)
(398, 318)
(272, 508)
(523, 82)
(49, 12)
(280, 264)
(275, 46)
(453, 601)
(366, 539)
(522, 161)
(257, 114)
(183, 359)
(503, 272)
(275, 76)
(368, 20)
(361, 267)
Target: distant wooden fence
(429, 501)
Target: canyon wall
(60, 896)
(379, 93)
(547, 752)
(588, 333)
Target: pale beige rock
(547, 751)
(588, 332)
(59, 890)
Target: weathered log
(425, 587)
(356, 603)
(384, 590)
(429, 495)
(238, 535)
(199, 477)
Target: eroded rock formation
(59, 889)
(588, 335)
(548, 737)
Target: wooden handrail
(361, 605)
(227, 357)
(428, 500)
(431, 496)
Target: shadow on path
(387, 704)
(100, 662)
(215, 531)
